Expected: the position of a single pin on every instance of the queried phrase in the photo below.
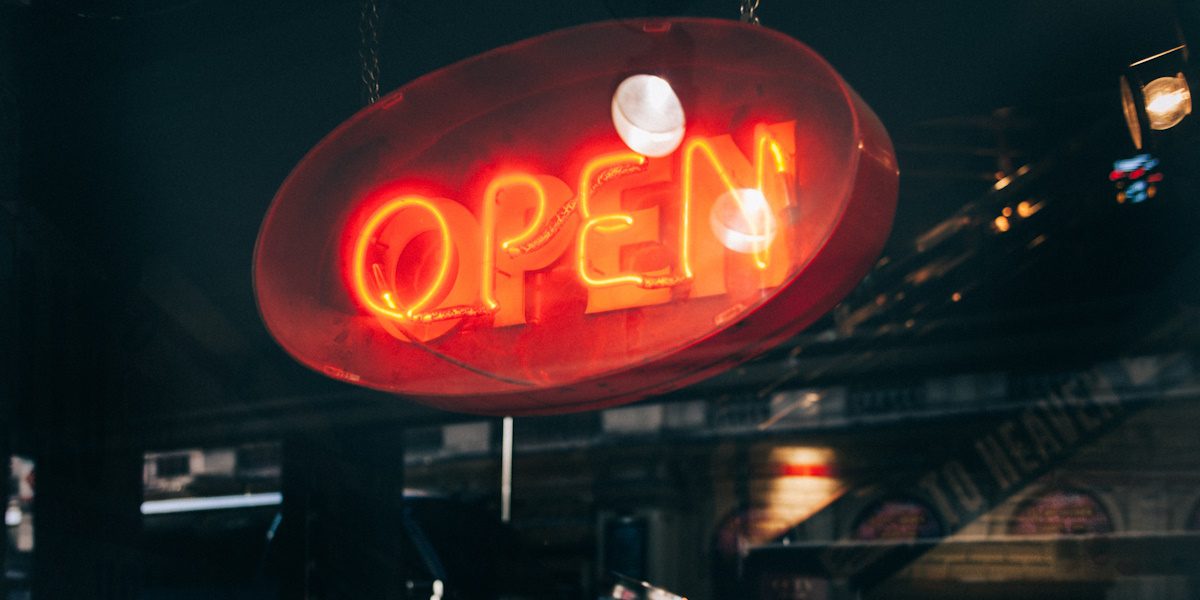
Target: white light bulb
(1168, 101)
(12, 515)
(648, 115)
(742, 221)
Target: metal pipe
(506, 454)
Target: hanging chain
(749, 11)
(368, 51)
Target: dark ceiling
(152, 135)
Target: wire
(403, 332)
(368, 29)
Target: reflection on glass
(1168, 101)
(897, 519)
(1061, 512)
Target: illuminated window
(1061, 512)
(897, 519)
(732, 533)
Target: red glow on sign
(514, 224)
(490, 244)
(802, 470)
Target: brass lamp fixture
(1156, 94)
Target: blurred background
(1006, 406)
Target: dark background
(142, 141)
(149, 136)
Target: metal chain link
(368, 51)
(749, 11)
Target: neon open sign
(492, 238)
(721, 203)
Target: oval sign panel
(580, 219)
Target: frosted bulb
(648, 115)
(1168, 101)
(745, 228)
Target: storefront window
(1061, 512)
(897, 519)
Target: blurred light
(661, 594)
(1141, 161)
(1003, 183)
(741, 219)
(1168, 101)
(802, 470)
(955, 297)
(274, 527)
(801, 481)
(648, 115)
(1007, 211)
(804, 403)
(641, 590)
(1129, 106)
(1137, 192)
(1155, 94)
(1136, 178)
(1001, 224)
(176, 505)
(1026, 209)
(801, 455)
(12, 515)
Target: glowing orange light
(768, 154)
(490, 201)
(1027, 209)
(1001, 224)
(703, 146)
(595, 270)
(614, 223)
(380, 281)
(369, 232)
(588, 182)
(765, 142)
(608, 223)
(520, 179)
(805, 470)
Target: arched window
(896, 519)
(1061, 512)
